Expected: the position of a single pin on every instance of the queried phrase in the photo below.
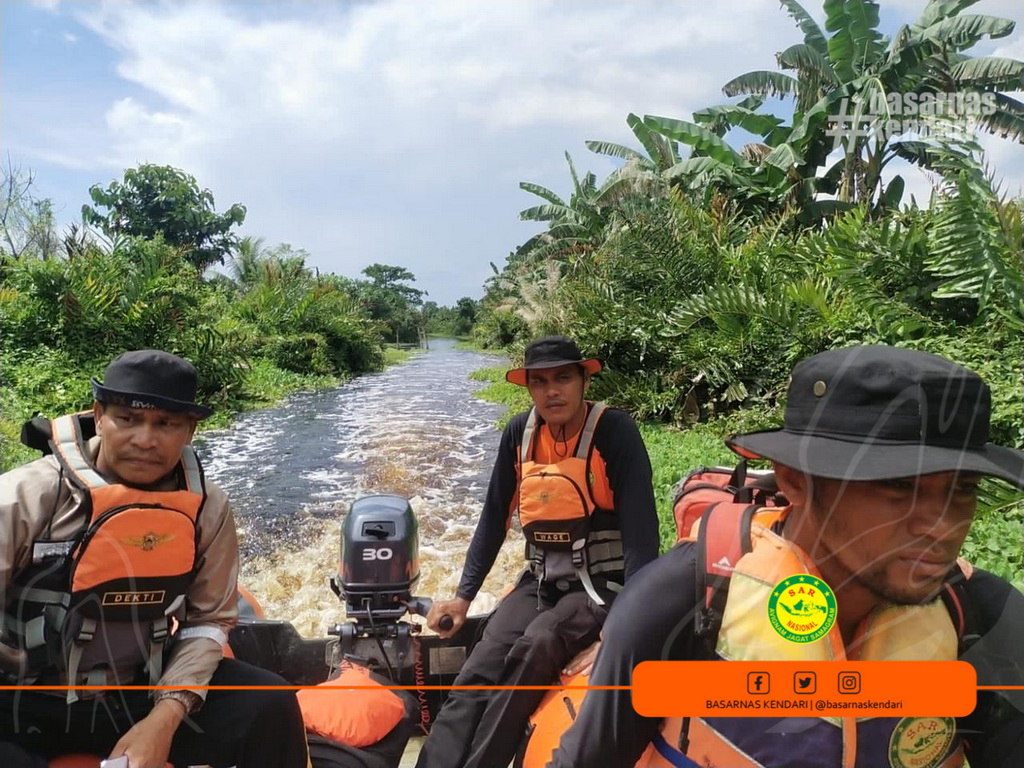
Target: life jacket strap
(85, 635)
(606, 553)
(37, 595)
(674, 758)
(525, 448)
(589, 428)
(579, 561)
(584, 444)
(157, 638)
(35, 633)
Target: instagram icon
(849, 682)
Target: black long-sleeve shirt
(617, 440)
(652, 620)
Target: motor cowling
(379, 564)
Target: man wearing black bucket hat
(880, 457)
(578, 476)
(108, 542)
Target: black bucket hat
(149, 378)
(551, 352)
(881, 413)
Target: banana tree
(575, 227)
(845, 73)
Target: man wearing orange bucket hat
(578, 476)
(880, 457)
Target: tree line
(154, 264)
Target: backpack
(706, 487)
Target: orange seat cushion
(358, 718)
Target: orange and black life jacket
(103, 601)
(569, 536)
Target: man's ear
(793, 483)
(97, 413)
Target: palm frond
(695, 136)
(990, 73)
(542, 192)
(813, 35)
(808, 61)
(650, 141)
(762, 83)
(963, 32)
(1007, 120)
(969, 252)
(939, 10)
(616, 150)
(856, 44)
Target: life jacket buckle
(158, 632)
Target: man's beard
(877, 582)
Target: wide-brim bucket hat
(551, 352)
(151, 378)
(879, 413)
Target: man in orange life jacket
(103, 543)
(579, 477)
(880, 457)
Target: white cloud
(47, 5)
(68, 37)
(397, 130)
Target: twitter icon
(805, 682)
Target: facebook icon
(758, 682)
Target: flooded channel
(415, 430)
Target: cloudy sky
(391, 131)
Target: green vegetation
(159, 200)
(453, 322)
(394, 355)
(498, 390)
(268, 326)
(701, 273)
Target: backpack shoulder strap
(956, 597)
(722, 539)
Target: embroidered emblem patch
(921, 742)
(802, 608)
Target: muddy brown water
(291, 472)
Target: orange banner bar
(819, 689)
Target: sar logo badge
(802, 608)
(921, 742)
(147, 542)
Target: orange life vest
(104, 600)
(557, 511)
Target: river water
(291, 472)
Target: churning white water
(415, 430)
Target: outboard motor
(378, 571)
(380, 562)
